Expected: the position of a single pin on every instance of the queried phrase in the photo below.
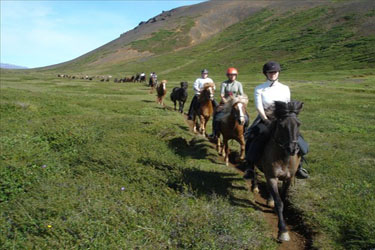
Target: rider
(229, 88)
(198, 87)
(258, 134)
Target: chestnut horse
(161, 91)
(205, 109)
(280, 159)
(231, 125)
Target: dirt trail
(300, 238)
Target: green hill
(308, 38)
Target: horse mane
(285, 109)
(229, 104)
(208, 84)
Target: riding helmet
(204, 71)
(271, 67)
(232, 71)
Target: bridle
(284, 145)
(239, 116)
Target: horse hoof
(256, 190)
(227, 163)
(284, 237)
(271, 203)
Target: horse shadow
(147, 101)
(195, 148)
(208, 183)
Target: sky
(42, 33)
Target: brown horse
(280, 159)
(205, 109)
(161, 91)
(231, 123)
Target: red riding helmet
(232, 71)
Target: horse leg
(254, 181)
(181, 106)
(174, 101)
(182, 103)
(284, 189)
(226, 151)
(202, 125)
(283, 234)
(242, 144)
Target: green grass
(91, 164)
(69, 146)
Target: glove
(267, 122)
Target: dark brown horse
(180, 95)
(205, 109)
(232, 120)
(152, 83)
(280, 159)
(161, 91)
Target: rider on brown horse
(229, 89)
(257, 135)
(197, 87)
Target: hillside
(320, 35)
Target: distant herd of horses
(281, 160)
(134, 78)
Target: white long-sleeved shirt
(199, 83)
(265, 96)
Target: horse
(180, 95)
(280, 159)
(137, 76)
(142, 78)
(152, 83)
(231, 126)
(161, 91)
(205, 108)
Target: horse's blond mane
(233, 100)
(229, 104)
(208, 84)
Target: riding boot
(214, 104)
(191, 108)
(215, 129)
(301, 172)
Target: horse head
(208, 90)
(184, 85)
(287, 125)
(238, 108)
(163, 83)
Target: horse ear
(299, 106)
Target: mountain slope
(11, 66)
(302, 35)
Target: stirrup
(302, 173)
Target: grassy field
(100, 165)
(91, 164)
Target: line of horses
(134, 78)
(280, 159)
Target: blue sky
(41, 33)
